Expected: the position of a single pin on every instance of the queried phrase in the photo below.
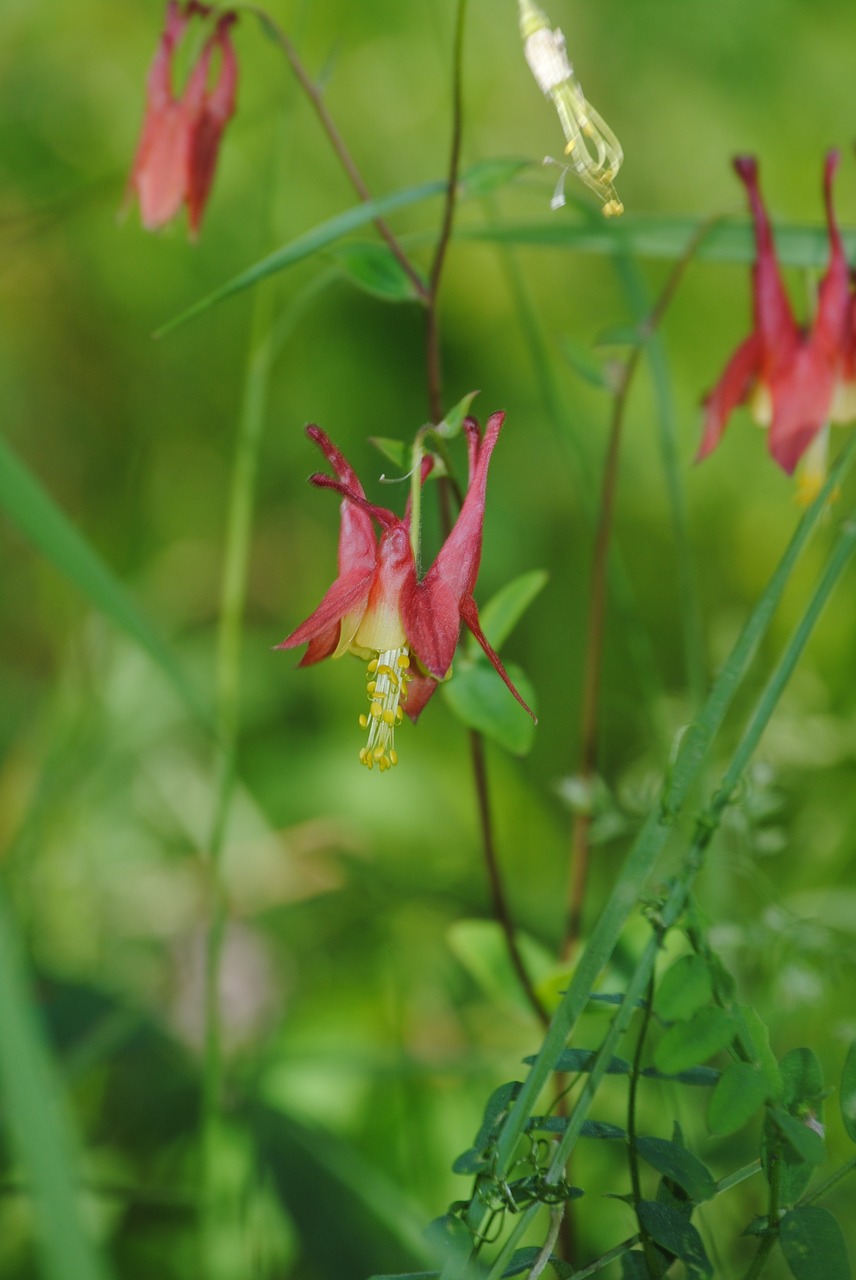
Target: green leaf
(311, 242)
(813, 1245)
(848, 1093)
(503, 611)
(704, 1076)
(659, 236)
(755, 1037)
(684, 988)
(678, 1164)
(41, 521)
(671, 1230)
(495, 1108)
(480, 700)
(375, 269)
(741, 1090)
(583, 361)
(394, 451)
(807, 1144)
(488, 176)
(452, 422)
(802, 1081)
(582, 1060)
(686, 1043)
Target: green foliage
(739, 1093)
(813, 1245)
(374, 268)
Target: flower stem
(432, 333)
(233, 597)
(497, 889)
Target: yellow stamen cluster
(386, 684)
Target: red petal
(213, 112)
(357, 542)
(774, 322)
(829, 331)
(419, 689)
(432, 623)
(733, 387)
(802, 398)
(343, 597)
(470, 615)
(458, 561)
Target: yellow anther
(386, 687)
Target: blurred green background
(362, 1041)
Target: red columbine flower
(789, 376)
(377, 608)
(177, 152)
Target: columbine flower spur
(794, 380)
(405, 629)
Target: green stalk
(233, 597)
(651, 840)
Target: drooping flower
(791, 377)
(592, 150)
(406, 629)
(180, 140)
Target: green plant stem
(337, 142)
(768, 1242)
(651, 1258)
(649, 843)
(432, 329)
(590, 713)
(233, 597)
(832, 1181)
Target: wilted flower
(407, 630)
(795, 380)
(177, 153)
(592, 150)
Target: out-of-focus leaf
(480, 700)
(738, 1095)
(489, 175)
(704, 1076)
(684, 988)
(583, 361)
(686, 1043)
(49, 529)
(673, 1232)
(375, 268)
(813, 1245)
(311, 242)
(848, 1093)
(678, 1164)
(664, 237)
(481, 948)
(503, 611)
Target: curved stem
(651, 1259)
(590, 714)
(316, 98)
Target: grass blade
(37, 1123)
(41, 521)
